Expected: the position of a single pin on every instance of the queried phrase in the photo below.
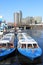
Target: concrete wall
(37, 27)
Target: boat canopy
(4, 41)
(10, 34)
(26, 40)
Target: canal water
(38, 36)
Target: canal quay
(14, 60)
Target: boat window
(0, 45)
(23, 46)
(3, 45)
(5, 38)
(10, 45)
(29, 45)
(35, 45)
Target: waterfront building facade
(32, 20)
(38, 19)
(18, 17)
(28, 20)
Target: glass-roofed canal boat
(28, 49)
(7, 46)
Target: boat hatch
(23, 46)
(2, 45)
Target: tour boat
(7, 46)
(28, 49)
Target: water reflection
(35, 33)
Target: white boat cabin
(6, 44)
(26, 42)
(7, 41)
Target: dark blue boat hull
(27, 60)
(8, 54)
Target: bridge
(30, 26)
(27, 26)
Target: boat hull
(23, 59)
(10, 54)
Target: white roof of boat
(27, 40)
(10, 34)
(7, 37)
(23, 41)
(19, 30)
(4, 41)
